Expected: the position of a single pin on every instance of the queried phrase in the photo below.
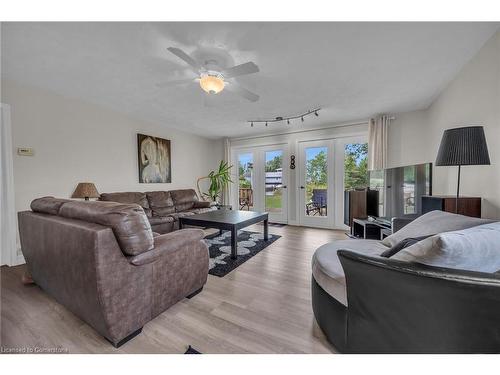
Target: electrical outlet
(25, 151)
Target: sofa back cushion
(161, 203)
(48, 205)
(184, 199)
(128, 197)
(473, 249)
(128, 222)
(431, 223)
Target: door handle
(284, 186)
(302, 187)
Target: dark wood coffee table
(227, 220)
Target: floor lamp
(463, 146)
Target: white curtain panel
(226, 195)
(377, 142)
(8, 222)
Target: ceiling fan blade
(240, 70)
(184, 56)
(236, 88)
(176, 82)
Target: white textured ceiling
(352, 70)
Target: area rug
(249, 244)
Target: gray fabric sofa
(163, 208)
(102, 261)
(366, 303)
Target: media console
(371, 229)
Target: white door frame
(327, 221)
(283, 216)
(8, 219)
(335, 196)
(258, 181)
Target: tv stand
(369, 229)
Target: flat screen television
(401, 189)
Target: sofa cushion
(161, 203)
(431, 223)
(155, 220)
(128, 197)
(184, 199)
(128, 222)
(473, 249)
(327, 269)
(48, 205)
(407, 242)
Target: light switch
(25, 151)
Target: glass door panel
(316, 171)
(245, 181)
(274, 181)
(316, 189)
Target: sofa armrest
(403, 307)
(166, 243)
(202, 204)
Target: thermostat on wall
(25, 151)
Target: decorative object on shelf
(292, 162)
(463, 146)
(85, 190)
(285, 118)
(154, 159)
(219, 180)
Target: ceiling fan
(212, 78)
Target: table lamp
(85, 190)
(463, 146)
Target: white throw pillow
(433, 222)
(473, 249)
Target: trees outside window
(356, 166)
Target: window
(356, 166)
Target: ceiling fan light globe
(212, 84)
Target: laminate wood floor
(263, 306)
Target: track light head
(251, 124)
(288, 121)
(316, 113)
(266, 123)
(302, 118)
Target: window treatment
(377, 142)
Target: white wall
(75, 141)
(473, 98)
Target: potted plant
(219, 180)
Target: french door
(316, 183)
(262, 181)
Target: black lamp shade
(463, 146)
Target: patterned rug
(249, 244)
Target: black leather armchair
(399, 307)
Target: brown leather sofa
(163, 208)
(103, 262)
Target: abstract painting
(154, 159)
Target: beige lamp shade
(85, 190)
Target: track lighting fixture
(287, 118)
